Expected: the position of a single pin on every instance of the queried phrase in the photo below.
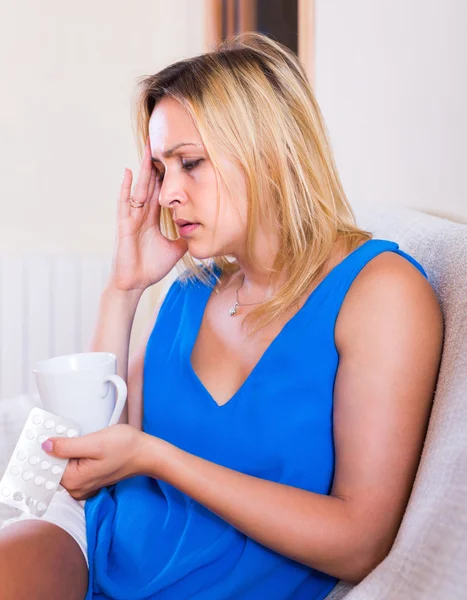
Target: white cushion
(429, 556)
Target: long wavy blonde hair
(250, 98)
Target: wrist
(113, 288)
(151, 455)
(112, 292)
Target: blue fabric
(148, 540)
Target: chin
(200, 253)
(203, 251)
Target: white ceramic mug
(82, 387)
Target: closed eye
(187, 166)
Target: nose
(171, 193)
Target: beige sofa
(429, 557)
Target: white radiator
(48, 307)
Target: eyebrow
(170, 151)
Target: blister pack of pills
(32, 476)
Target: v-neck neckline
(200, 316)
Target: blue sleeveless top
(145, 538)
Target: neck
(258, 282)
(257, 279)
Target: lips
(185, 227)
(181, 222)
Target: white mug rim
(38, 368)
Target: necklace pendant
(233, 310)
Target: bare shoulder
(389, 291)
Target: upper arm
(134, 412)
(389, 337)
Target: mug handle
(122, 391)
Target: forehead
(170, 122)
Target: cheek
(231, 210)
(229, 216)
(236, 213)
(229, 231)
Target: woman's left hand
(98, 459)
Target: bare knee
(40, 560)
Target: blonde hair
(250, 98)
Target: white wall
(69, 72)
(391, 79)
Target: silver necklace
(233, 310)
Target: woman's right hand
(142, 254)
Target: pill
(21, 454)
(39, 480)
(34, 460)
(37, 419)
(41, 507)
(15, 470)
(72, 433)
(49, 424)
(6, 492)
(50, 485)
(31, 502)
(45, 465)
(18, 496)
(30, 434)
(56, 470)
(60, 429)
(27, 475)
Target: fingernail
(47, 446)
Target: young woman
(279, 400)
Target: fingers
(152, 182)
(145, 187)
(78, 447)
(125, 191)
(140, 192)
(153, 200)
